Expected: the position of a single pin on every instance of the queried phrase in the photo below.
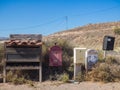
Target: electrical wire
(64, 17)
(97, 11)
(35, 26)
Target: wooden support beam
(40, 72)
(4, 72)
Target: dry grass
(17, 78)
(89, 36)
(107, 71)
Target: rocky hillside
(88, 36)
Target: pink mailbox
(55, 56)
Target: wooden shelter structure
(23, 52)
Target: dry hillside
(89, 36)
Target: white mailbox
(79, 55)
(79, 59)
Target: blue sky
(49, 16)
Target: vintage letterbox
(91, 58)
(55, 56)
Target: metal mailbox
(91, 58)
(55, 56)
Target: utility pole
(66, 20)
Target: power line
(66, 19)
(93, 12)
(57, 26)
(35, 26)
(97, 11)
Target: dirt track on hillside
(60, 86)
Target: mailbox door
(80, 56)
(55, 56)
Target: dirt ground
(60, 86)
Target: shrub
(100, 55)
(112, 60)
(117, 30)
(80, 77)
(115, 72)
(114, 65)
(20, 80)
(64, 77)
(16, 78)
(67, 58)
(100, 73)
(107, 71)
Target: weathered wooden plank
(23, 50)
(18, 61)
(22, 67)
(26, 37)
(20, 64)
(4, 72)
(40, 72)
(22, 57)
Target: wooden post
(74, 71)
(40, 72)
(86, 62)
(86, 65)
(4, 66)
(4, 72)
(105, 52)
(40, 66)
